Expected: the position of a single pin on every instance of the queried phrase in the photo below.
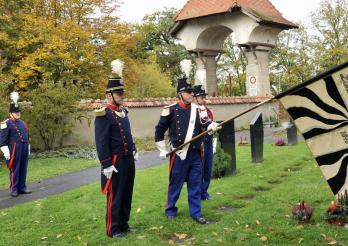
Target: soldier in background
(206, 115)
(14, 143)
(117, 153)
(183, 122)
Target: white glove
(163, 148)
(6, 152)
(109, 171)
(135, 155)
(214, 145)
(214, 127)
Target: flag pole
(221, 124)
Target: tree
(155, 40)
(292, 59)
(55, 40)
(53, 107)
(152, 83)
(232, 69)
(331, 38)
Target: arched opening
(213, 38)
(231, 69)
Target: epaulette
(3, 124)
(100, 112)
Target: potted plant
(302, 212)
(338, 212)
(335, 214)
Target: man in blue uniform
(182, 120)
(14, 143)
(206, 115)
(117, 153)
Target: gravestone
(256, 138)
(227, 140)
(291, 133)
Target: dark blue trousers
(18, 166)
(207, 169)
(119, 196)
(189, 170)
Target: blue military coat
(113, 135)
(176, 118)
(13, 131)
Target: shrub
(221, 162)
(72, 152)
(52, 106)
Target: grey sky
(293, 10)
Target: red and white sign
(252, 85)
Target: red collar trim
(183, 105)
(113, 107)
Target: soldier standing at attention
(117, 153)
(14, 143)
(206, 115)
(183, 122)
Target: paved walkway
(71, 181)
(68, 182)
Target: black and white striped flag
(319, 109)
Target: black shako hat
(115, 85)
(14, 108)
(198, 91)
(183, 86)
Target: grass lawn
(252, 207)
(40, 169)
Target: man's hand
(135, 155)
(163, 148)
(214, 127)
(108, 171)
(6, 152)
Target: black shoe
(119, 235)
(14, 194)
(206, 198)
(130, 230)
(200, 220)
(25, 192)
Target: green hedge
(221, 162)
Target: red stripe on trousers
(108, 182)
(12, 157)
(170, 171)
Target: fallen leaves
(263, 238)
(59, 235)
(226, 229)
(138, 210)
(141, 237)
(180, 235)
(329, 240)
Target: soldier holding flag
(117, 153)
(182, 121)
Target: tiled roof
(161, 102)
(262, 9)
